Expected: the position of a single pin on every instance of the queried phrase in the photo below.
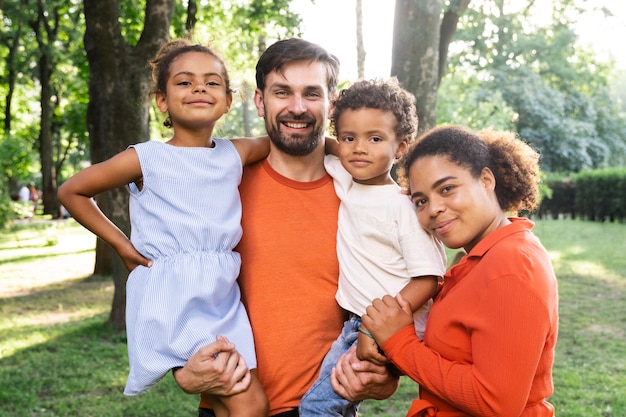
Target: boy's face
(295, 105)
(368, 145)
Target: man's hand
(216, 369)
(358, 380)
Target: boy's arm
(417, 292)
(252, 150)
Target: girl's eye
(347, 139)
(446, 189)
(376, 139)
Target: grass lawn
(58, 357)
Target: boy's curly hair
(382, 95)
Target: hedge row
(598, 195)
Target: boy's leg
(321, 399)
(251, 403)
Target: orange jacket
(490, 337)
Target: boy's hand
(367, 349)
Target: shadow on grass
(82, 371)
(35, 257)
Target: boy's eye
(376, 139)
(347, 139)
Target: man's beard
(295, 145)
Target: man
(289, 265)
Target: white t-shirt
(380, 243)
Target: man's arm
(358, 380)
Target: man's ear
(331, 106)
(258, 102)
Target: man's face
(295, 106)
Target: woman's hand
(386, 316)
(216, 369)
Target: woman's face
(454, 206)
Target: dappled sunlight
(25, 323)
(16, 280)
(563, 262)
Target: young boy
(381, 247)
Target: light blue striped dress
(187, 219)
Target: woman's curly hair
(514, 163)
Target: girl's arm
(252, 150)
(77, 193)
(331, 146)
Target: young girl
(185, 214)
(380, 246)
(492, 330)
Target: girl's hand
(131, 258)
(386, 316)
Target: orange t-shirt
(491, 333)
(289, 279)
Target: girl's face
(454, 206)
(368, 145)
(196, 93)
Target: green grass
(58, 356)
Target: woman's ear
(488, 179)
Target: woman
(490, 338)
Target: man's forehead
(312, 74)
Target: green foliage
(601, 194)
(556, 91)
(467, 101)
(598, 195)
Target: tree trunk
(48, 174)
(119, 103)
(415, 54)
(360, 48)
(448, 29)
